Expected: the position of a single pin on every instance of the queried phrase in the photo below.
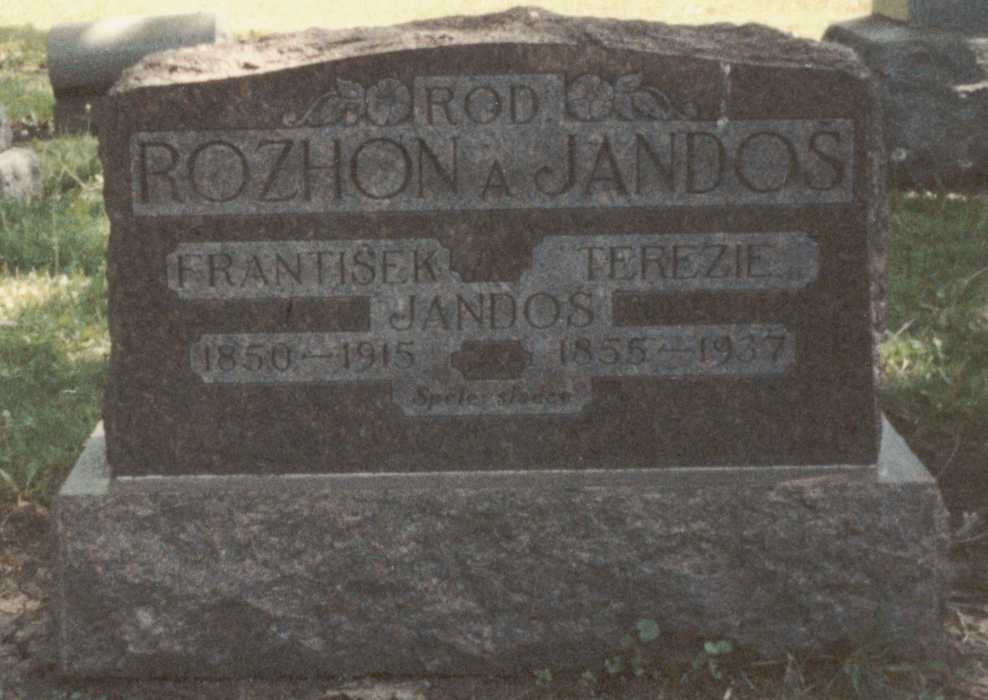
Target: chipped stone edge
(366, 41)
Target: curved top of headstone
(748, 43)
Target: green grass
(935, 355)
(53, 352)
(22, 48)
(53, 338)
(66, 229)
(24, 89)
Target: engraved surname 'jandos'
(408, 168)
(492, 142)
(558, 316)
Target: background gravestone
(967, 16)
(20, 174)
(20, 168)
(478, 340)
(86, 58)
(932, 70)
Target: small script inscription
(453, 348)
(492, 142)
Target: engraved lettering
(751, 174)
(276, 171)
(380, 160)
(611, 176)
(482, 105)
(698, 162)
(524, 103)
(308, 168)
(448, 176)
(164, 173)
(496, 182)
(566, 181)
(445, 96)
(218, 171)
(666, 170)
(837, 165)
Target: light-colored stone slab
(20, 174)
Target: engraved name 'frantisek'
(667, 262)
(556, 321)
(490, 142)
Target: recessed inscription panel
(491, 142)
(422, 168)
(560, 313)
(558, 378)
(635, 262)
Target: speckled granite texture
(295, 141)
(462, 573)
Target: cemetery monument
(460, 346)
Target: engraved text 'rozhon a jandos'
(490, 142)
(559, 314)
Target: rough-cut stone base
(934, 90)
(453, 573)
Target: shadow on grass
(53, 356)
(935, 353)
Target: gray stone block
(86, 58)
(934, 92)
(20, 174)
(469, 573)
(6, 132)
(969, 16)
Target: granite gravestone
(932, 72)
(452, 257)
(442, 340)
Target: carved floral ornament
(589, 98)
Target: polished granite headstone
(523, 242)
(462, 346)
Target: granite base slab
(469, 573)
